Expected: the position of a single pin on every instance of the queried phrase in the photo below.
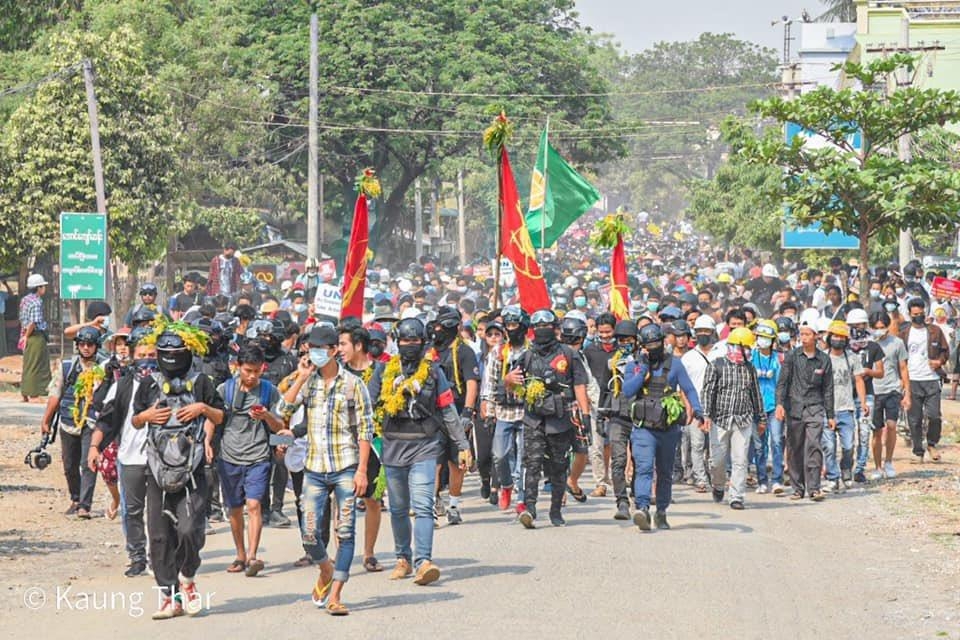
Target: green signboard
(83, 256)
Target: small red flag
(355, 270)
(516, 246)
(619, 287)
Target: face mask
(299, 308)
(410, 352)
(899, 291)
(106, 322)
(653, 306)
(580, 301)
(838, 343)
(890, 307)
(874, 293)
(544, 335)
(319, 357)
(375, 350)
(145, 366)
(427, 308)
(879, 334)
(764, 343)
(917, 320)
(655, 354)
(516, 336)
(736, 354)
(704, 339)
(626, 347)
(783, 336)
(174, 364)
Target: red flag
(619, 287)
(355, 270)
(515, 243)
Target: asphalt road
(842, 569)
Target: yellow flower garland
(394, 393)
(615, 373)
(83, 388)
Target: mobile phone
(280, 441)
(257, 407)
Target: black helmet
(410, 328)
(543, 316)
(625, 329)
(515, 314)
(679, 328)
(211, 327)
(143, 315)
(651, 333)
(138, 334)
(87, 335)
(259, 328)
(278, 330)
(173, 357)
(785, 323)
(572, 330)
(448, 318)
(148, 289)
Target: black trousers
(133, 483)
(619, 431)
(925, 401)
(81, 481)
(484, 450)
(213, 483)
(543, 452)
(278, 485)
(804, 448)
(176, 524)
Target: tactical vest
(647, 409)
(70, 372)
(279, 368)
(419, 419)
(553, 370)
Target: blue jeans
(864, 430)
(653, 448)
(507, 450)
(845, 429)
(769, 444)
(317, 488)
(412, 486)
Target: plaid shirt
(332, 442)
(491, 378)
(31, 310)
(731, 390)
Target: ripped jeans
(317, 488)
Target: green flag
(558, 196)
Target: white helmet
(769, 271)
(809, 318)
(857, 316)
(571, 282)
(286, 285)
(311, 263)
(704, 322)
(823, 324)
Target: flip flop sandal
(321, 594)
(337, 609)
(236, 566)
(254, 567)
(579, 497)
(372, 565)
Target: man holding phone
(244, 461)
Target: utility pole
(313, 222)
(461, 220)
(418, 218)
(92, 111)
(903, 145)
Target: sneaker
(427, 573)
(485, 488)
(623, 511)
(830, 486)
(763, 489)
(401, 570)
(136, 568)
(527, 518)
(778, 489)
(736, 505)
(642, 519)
(216, 516)
(556, 519)
(277, 519)
(660, 519)
(718, 495)
(860, 477)
(505, 498)
(191, 598)
(889, 471)
(876, 475)
(169, 608)
(453, 515)
(494, 497)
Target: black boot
(556, 518)
(660, 519)
(623, 510)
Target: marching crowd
(726, 376)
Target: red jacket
(213, 279)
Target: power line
(66, 72)
(459, 94)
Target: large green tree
(861, 189)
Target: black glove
(587, 423)
(490, 423)
(602, 427)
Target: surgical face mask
(653, 306)
(874, 293)
(891, 307)
(299, 308)
(764, 343)
(106, 322)
(580, 301)
(838, 343)
(319, 357)
(899, 291)
(704, 339)
(783, 336)
(879, 334)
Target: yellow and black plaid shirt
(332, 442)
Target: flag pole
(496, 266)
(543, 213)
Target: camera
(38, 458)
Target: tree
(838, 11)
(868, 192)
(45, 156)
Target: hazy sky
(637, 24)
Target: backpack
(230, 389)
(175, 451)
